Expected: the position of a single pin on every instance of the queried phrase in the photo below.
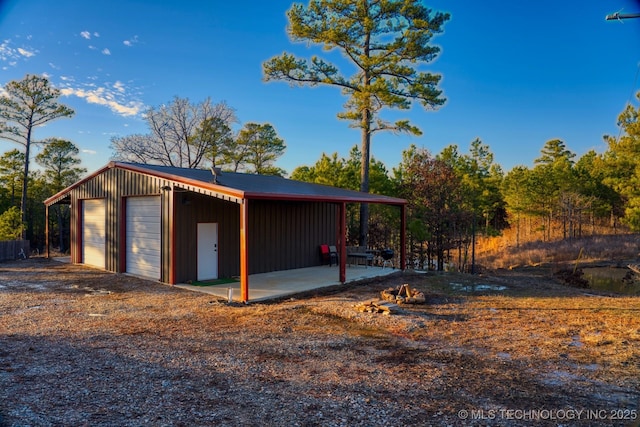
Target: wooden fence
(14, 249)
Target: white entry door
(207, 250)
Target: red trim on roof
(367, 198)
(62, 193)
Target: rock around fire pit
(383, 307)
(403, 294)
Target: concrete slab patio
(278, 284)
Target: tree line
(385, 41)
(181, 134)
(452, 196)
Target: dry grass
(84, 347)
(497, 252)
(538, 323)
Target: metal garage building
(175, 224)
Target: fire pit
(403, 295)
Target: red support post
(76, 255)
(122, 236)
(403, 237)
(244, 253)
(171, 209)
(342, 242)
(46, 231)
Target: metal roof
(238, 186)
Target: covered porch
(278, 284)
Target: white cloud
(5, 49)
(92, 152)
(112, 97)
(106, 51)
(25, 53)
(85, 35)
(119, 86)
(12, 55)
(131, 41)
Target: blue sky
(515, 74)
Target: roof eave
(63, 193)
(369, 198)
(231, 192)
(175, 178)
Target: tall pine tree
(386, 41)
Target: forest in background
(454, 198)
(457, 201)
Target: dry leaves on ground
(85, 347)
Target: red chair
(325, 257)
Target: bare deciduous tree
(177, 134)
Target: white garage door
(93, 232)
(143, 236)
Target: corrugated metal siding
(192, 208)
(287, 235)
(112, 185)
(282, 235)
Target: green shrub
(11, 224)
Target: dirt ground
(81, 347)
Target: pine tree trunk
(364, 178)
(25, 179)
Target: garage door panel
(93, 232)
(143, 238)
(149, 254)
(93, 256)
(150, 217)
(146, 227)
(140, 237)
(149, 260)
